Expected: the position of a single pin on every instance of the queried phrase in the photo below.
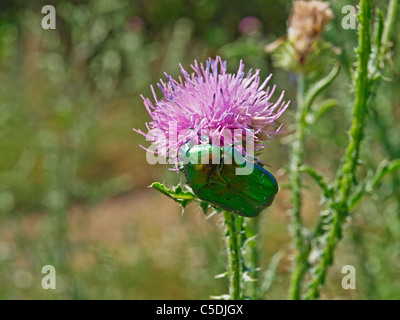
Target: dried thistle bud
(306, 25)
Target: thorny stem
(338, 209)
(234, 243)
(295, 163)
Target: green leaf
(320, 109)
(270, 273)
(321, 85)
(176, 193)
(319, 179)
(372, 181)
(378, 30)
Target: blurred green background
(74, 182)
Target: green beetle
(218, 183)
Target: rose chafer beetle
(218, 183)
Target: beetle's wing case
(259, 184)
(229, 199)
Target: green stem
(295, 163)
(338, 209)
(234, 234)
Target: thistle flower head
(209, 99)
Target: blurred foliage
(73, 179)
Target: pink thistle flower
(212, 99)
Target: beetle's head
(200, 162)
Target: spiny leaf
(176, 193)
(372, 181)
(320, 109)
(321, 85)
(270, 273)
